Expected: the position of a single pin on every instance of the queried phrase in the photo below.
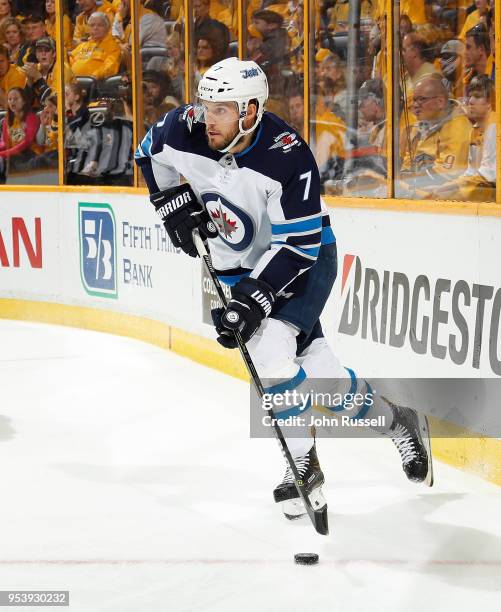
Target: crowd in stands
(444, 131)
(445, 125)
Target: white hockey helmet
(234, 80)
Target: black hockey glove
(181, 213)
(251, 302)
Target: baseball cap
(453, 46)
(46, 42)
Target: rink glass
(354, 104)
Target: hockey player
(249, 175)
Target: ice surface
(128, 477)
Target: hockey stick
(318, 517)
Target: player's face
(221, 123)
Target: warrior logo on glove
(181, 213)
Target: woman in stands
(47, 134)
(12, 34)
(172, 65)
(209, 52)
(50, 23)
(75, 134)
(19, 131)
(77, 113)
(5, 13)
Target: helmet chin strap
(241, 132)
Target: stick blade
(321, 521)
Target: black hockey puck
(306, 558)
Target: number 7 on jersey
(306, 177)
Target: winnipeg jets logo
(285, 141)
(189, 116)
(248, 73)
(234, 224)
(224, 224)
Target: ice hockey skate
(286, 493)
(410, 434)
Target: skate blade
(294, 509)
(425, 434)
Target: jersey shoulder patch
(281, 135)
(280, 152)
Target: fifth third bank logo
(98, 249)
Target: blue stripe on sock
(365, 408)
(353, 388)
(294, 411)
(288, 385)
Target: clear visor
(215, 112)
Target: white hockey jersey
(265, 201)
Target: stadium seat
(109, 88)
(87, 83)
(148, 52)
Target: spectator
(157, 96)
(204, 26)
(122, 31)
(255, 50)
(19, 131)
(152, 32)
(173, 64)
(269, 26)
(50, 24)
(34, 28)
(296, 112)
(228, 15)
(77, 113)
(13, 35)
(99, 57)
(339, 14)
(332, 84)
(5, 15)
(206, 56)
(415, 61)
(478, 183)
(88, 8)
(474, 18)
(478, 58)
(438, 142)
(405, 26)
(10, 76)
(44, 75)
(414, 10)
(47, 135)
(451, 67)
(23, 8)
(372, 113)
